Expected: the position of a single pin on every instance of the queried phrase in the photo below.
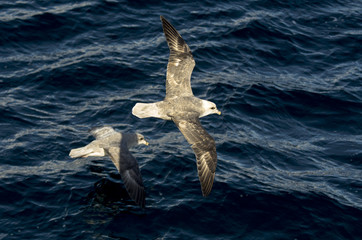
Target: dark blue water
(286, 76)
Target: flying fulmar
(183, 108)
(116, 145)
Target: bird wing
(127, 166)
(180, 63)
(102, 132)
(203, 146)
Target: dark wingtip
(138, 196)
(164, 21)
(206, 183)
(205, 192)
(139, 200)
(163, 18)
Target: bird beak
(219, 112)
(147, 143)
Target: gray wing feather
(127, 166)
(204, 148)
(180, 63)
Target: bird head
(209, 108)
(141, 139)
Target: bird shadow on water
(109, 195)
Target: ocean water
(286, 76)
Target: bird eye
(213, 108)
(141, 138)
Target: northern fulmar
(116, 145)
(183, 108)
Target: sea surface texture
(286, 76)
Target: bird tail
(145, 110)
(86, 152)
